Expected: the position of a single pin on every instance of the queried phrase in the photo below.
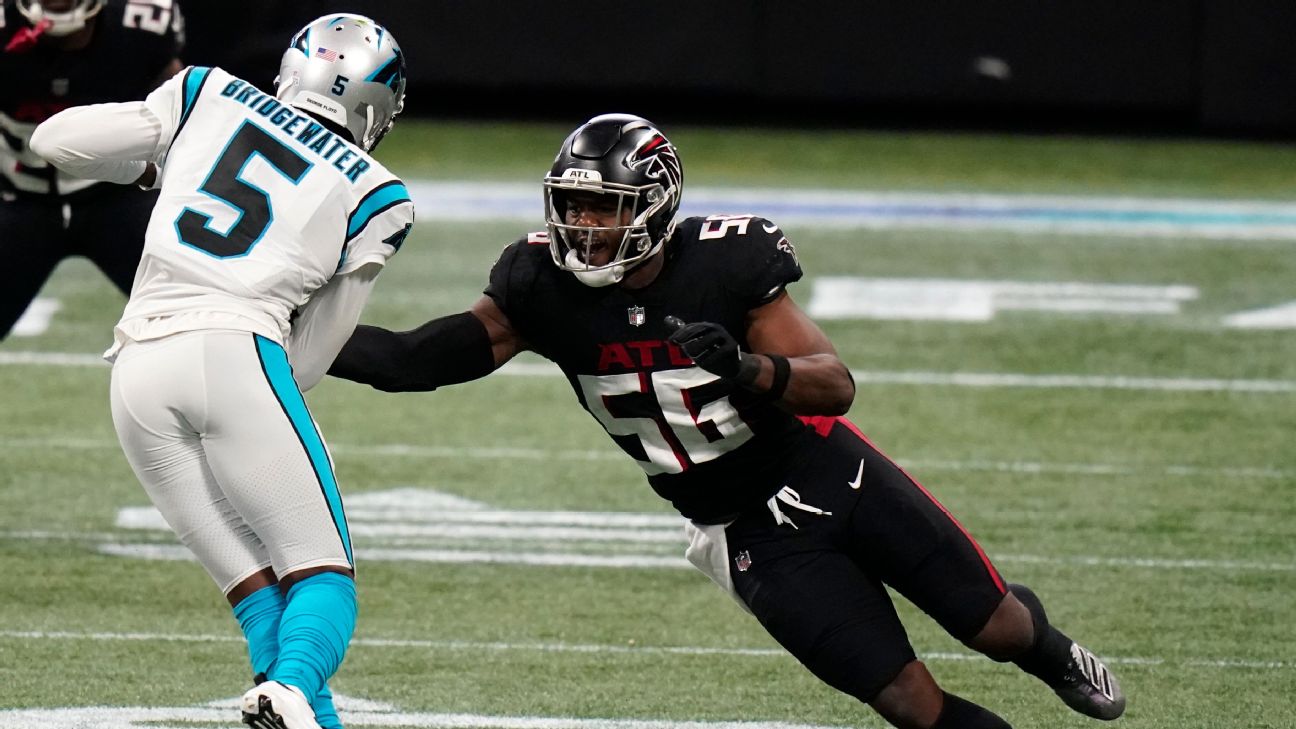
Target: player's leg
(1076, 675)
(273, 466)
(835, 618)
(31, 246)
(109, 228)
(927, 556)
(159, 406)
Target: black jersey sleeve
(513, 276)
(764, 261)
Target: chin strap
(27, 38)
(597, 278)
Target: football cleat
(273, 705)
(1089, 688)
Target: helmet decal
(657, 159)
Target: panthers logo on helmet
(658, 160)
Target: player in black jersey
(683, 342)
(56, 54)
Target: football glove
(713, 349)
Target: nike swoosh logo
(770, 227)
(859, 475)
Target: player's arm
(444, 351)
(325, 322)
(792, 360)
(109, 142)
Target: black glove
(713, 349)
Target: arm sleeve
(445, 351)
(326, 321)
(110, 142)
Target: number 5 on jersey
(226, 185)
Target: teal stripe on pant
(278, 370)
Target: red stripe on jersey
(823, 424)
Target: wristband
(782, 371)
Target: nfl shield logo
(743, 561)
(636, 315)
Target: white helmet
(62, 22)
(347, 69)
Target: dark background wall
(1180, 66)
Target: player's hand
(713, 349)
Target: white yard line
(410, 450)
(950, 379)
(182, 717)
(604, 648)
(163, 548)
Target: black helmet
(625, 156)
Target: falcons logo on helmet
(657, 159)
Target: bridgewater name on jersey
(260, 206)
(709, 447)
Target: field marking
(410, 450)
(951, 379)
(35, 319)
(971, 300)
(160, 546)
(1282, 316)
(149, 717)
(1134, 217)
(519, 557)
(612, 649)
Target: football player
(681, 339)
(55, 54)
(272, 225)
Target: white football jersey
(260, 206)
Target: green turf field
(1134, 468)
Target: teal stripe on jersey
(275, 363)
(192, 84)
(382, 198)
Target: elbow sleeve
(444, 351)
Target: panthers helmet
(347, 69)
(625, 156)
(63, 21)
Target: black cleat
(1089, 688)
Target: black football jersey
(709, 447)
(132, 44)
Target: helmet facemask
(61, 23)
(632, 243)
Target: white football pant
(217, 432)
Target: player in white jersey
(272, 224)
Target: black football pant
(819, 587)
(37, 232)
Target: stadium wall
(1176, 65)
